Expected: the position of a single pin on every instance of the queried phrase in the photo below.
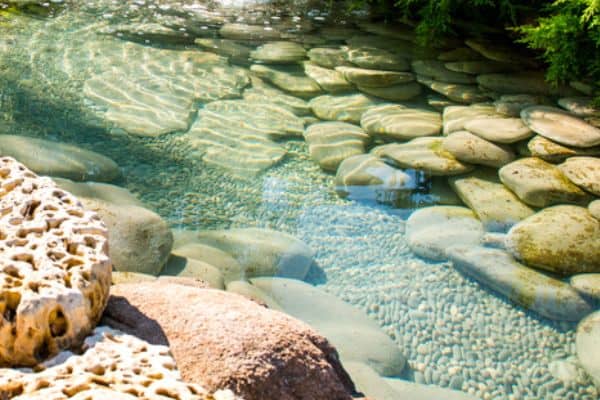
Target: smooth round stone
(279, 53)
(63, 160)
(432, 230)
(345, 108)
(330, 80)
(580, 106)
(561, 239)
(291, 80)
(497, 207)
(500, 130)
(374, 77)
(424, 154)
(363, 176)
(584, 172)
(191, 268)
(512, 104)
(237, 31)
(401, 92)
(594, 209)
(553, 152)
(327, 57)
(266, 94)
(437, 71)
(560, 126)
(587, 284)
(455, 92)
(523, 83)
(587, 341)
(478, 67)
(392, 122)
(528, 288)
(330, 143)
(465, 146)
(373, 58)
(456, 117)
(236, 52)
(460, 54)
(355, 336)
(540, 184)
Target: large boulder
(63, 160)
(430, 231)
(540, 184)
(139, 239)
(350, 330)
(260, 252)
(55, 270)
(222, 340)
(112, 365)
(497, 270)
(561, 239)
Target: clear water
(454, 332)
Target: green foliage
(566, 33)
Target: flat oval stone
(374, 58)
(580, 106)
(395, 122)
(587, 284)
(59, 159)
(540, 184)
(512, 104)
(587, 340)
(279, 53)
(553, 152)
(497, 207)
(437, 71)
(432, 230)
(528, 288)
(346, 108)
(455, 92)
(235, 51)
(291, 80)
(500, 130)
(374, 77)
(479, 67)
(465, 146)
(401, 92)
(560, 126)
(562, 239)
(584, 172)
(424, 154)
(327, 57)
(330, 80)
(330, 143)
(456, 117)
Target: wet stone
(561, 239)
(400, 92)
(523, 83)
(327, 57)
(374, 58)
(584, 172)
(455, 92)
(330, 143)
(330, 80)
(261, 93)
(460, 54)
(398, 123)
(345, 108)
(560, 126)
(465, 146)
(580, 106)
(237, 31)
(587, 284)
(373, 77)
(499, 130)
(437, 71)
(478, 67)
(279, 53)
(290, 79)
(587, 341)
(512, 104)
(528, 288)
(540, 184)
(553, 152)
(234, 51)
(497, 207)
(425, 154)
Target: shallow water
(454, 332)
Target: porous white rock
(54, 267)
(114, 365)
